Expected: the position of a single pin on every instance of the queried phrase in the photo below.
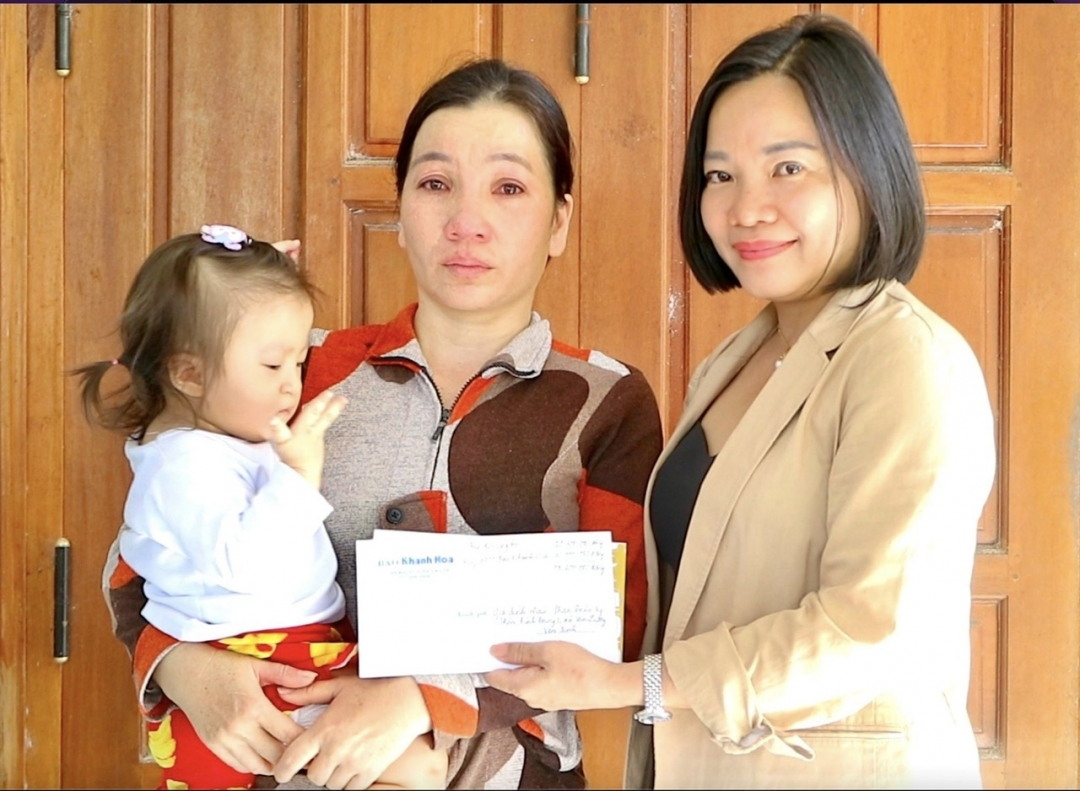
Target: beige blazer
(819, 621)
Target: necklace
(780, 359)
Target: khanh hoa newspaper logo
(429, 560)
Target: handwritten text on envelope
(432, 603)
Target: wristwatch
(653, 679)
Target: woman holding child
(464, 415)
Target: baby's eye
(273, 367)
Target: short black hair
(859, 120)
(491, 79)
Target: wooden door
(282, 118)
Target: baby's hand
(301, 445)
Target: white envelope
(434, 603)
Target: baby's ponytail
(129, 415)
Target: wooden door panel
(625, 172)
(108, 225)
(948, 66)
(353, 132)
(230, 110)
(44, 296)
(987, 664)
(628, 163)
(377, 77)
(393, 73)
(987, 249)
(1044, 389)
(386, 283)
(14, 189)
(963, 277)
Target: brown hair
(187, 297)
(863, 131)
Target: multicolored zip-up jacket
(545, 437)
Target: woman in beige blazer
(814, 512)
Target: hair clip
(227, 236)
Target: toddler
(224, 518)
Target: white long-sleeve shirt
(229, 538)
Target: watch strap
(653, 681)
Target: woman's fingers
(319, 692)
(530, 657)
(259, 737)
(254, 743)
(256, 755)
(291, 247)
(334, 768)
(275, 731)
(518, 683)
(344, 778)
(282, 675)
(369, 724)
(294, 758)
(552, 675)
(520, 653)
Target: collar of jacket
(524, 356)
(812, 348)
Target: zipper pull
(444, 417)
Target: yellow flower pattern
(260, 644)
(162, 744)
(323, 654)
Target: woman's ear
(187, 374)
(560, 226)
